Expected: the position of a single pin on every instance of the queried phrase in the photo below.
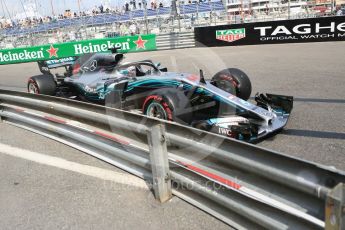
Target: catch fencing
(246, 186)
(175, 41)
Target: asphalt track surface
(33, 195)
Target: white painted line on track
(174, 63)
(103, 174)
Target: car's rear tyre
(233, 81)
(171, 105)
(42, 84)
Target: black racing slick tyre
(233, 81)
(42, 84)
(171, 105)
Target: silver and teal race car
(219, 105)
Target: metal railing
(175, 41)
(245, 186)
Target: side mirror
(164, 69)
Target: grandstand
(106, 19)
(161, 20)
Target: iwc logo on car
(231, 35)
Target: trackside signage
(64, 50)
(231, 35)
(286, 31)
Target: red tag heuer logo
(231, 35)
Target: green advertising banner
(125, 44)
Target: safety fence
(246, 186)
(272, 32)
(117, 17)
(175, 41)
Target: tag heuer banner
(274, 32)
(231, 35)
(126, 44)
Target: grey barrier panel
(335, 208)
(254, 211)
(258, 212)
(159, 163)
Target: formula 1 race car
(219, 105)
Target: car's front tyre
(171, 105)
(233, 81)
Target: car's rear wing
(46, 65)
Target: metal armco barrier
(159, 163)
(335, 208)
(245, 186)
(175, 40)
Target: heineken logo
(231, 35)
(83, 48)
(21, 56)
(140, 43)
(52, 51)
(58, 51)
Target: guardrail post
(1, 109)
(159, 163)
(335, 208)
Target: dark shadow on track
(316, 100)
(320, 100)
(310, 133)
(13, 88)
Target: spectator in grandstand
(123, 29)
(72, 36)
(133, 29)
(192, 20)
(95, 10)
(67, 14)
(339, 11)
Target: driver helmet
(130, 71)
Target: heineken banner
(287, 31)
(125, 44)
